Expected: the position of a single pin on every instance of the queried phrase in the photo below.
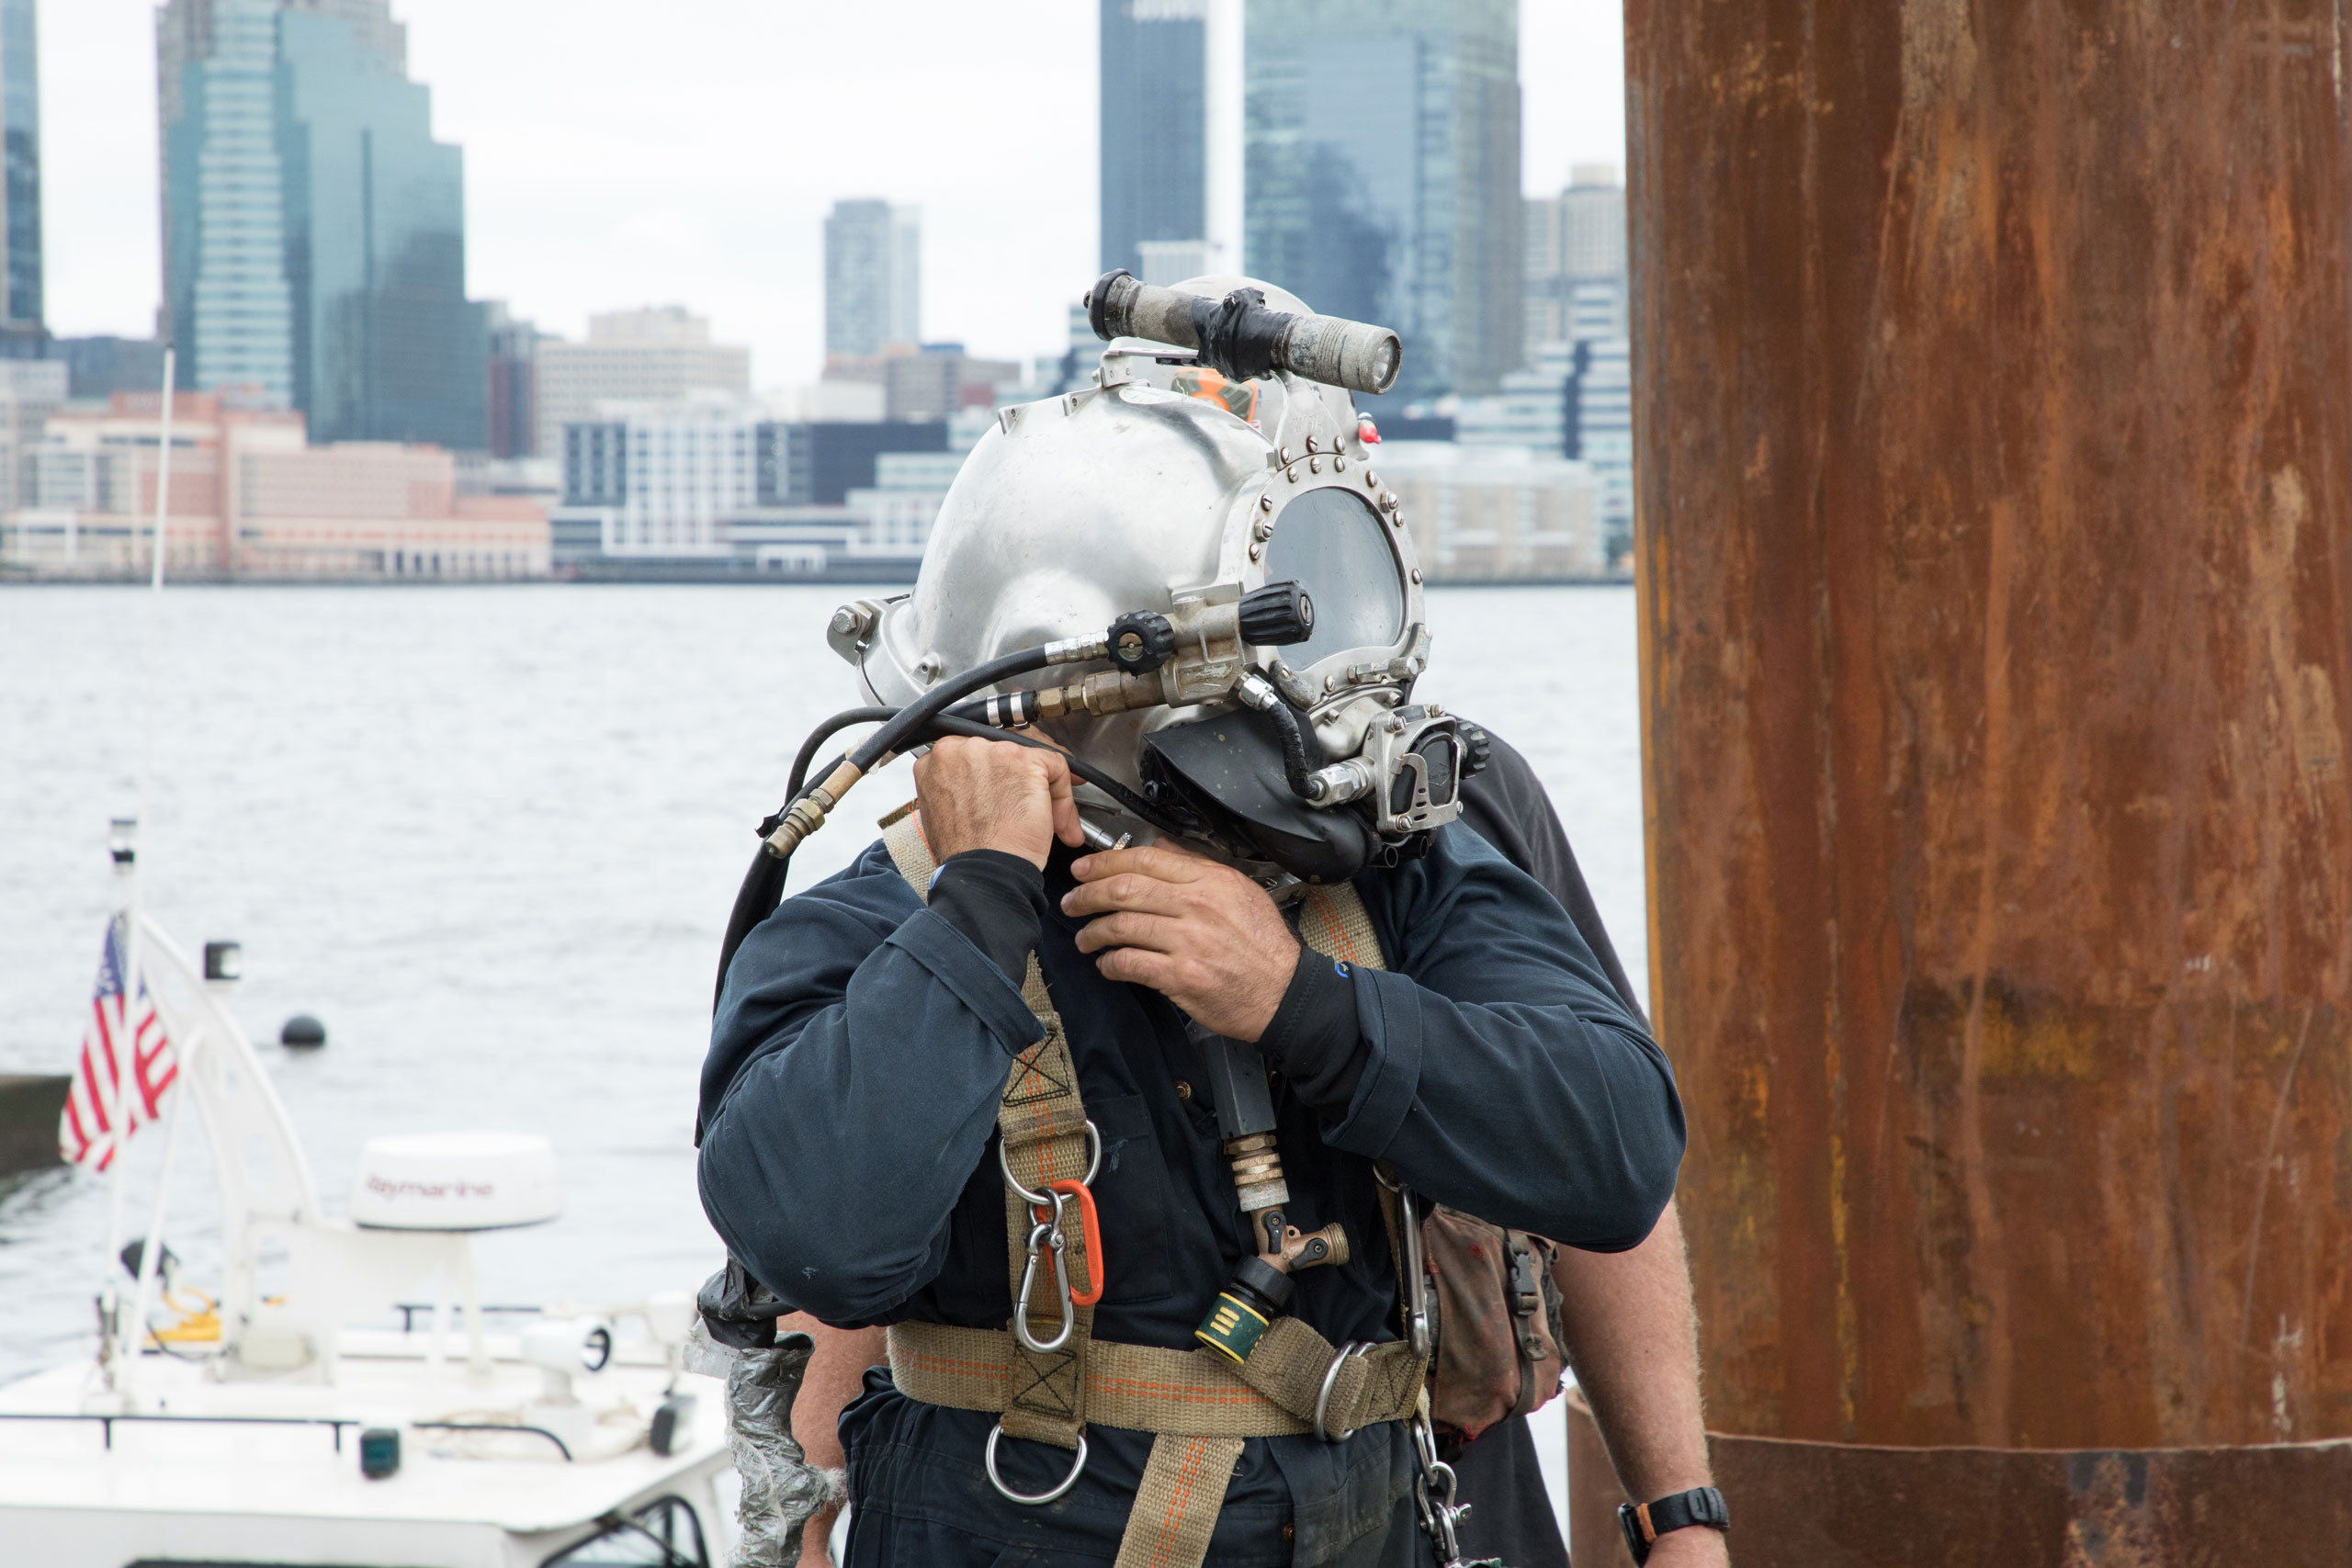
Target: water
(491, 836)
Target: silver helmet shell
(1145, 494)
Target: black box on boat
(31, 1104)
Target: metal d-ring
(1039, 1200)
(1038, 1499)
(1330, 1381)
(1044, 1236)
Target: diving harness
(1236, 756)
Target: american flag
(95, 1121)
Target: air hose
(806, 805)
(763, 886)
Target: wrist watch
(1644, 1524)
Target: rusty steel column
(1993, 405)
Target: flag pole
(133, 979)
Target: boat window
(665, 1533)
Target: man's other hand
(1202, 935)
(995, 795)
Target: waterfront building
(873, 279)
(1155, 138)
(1576, 260)
(1381, 147)
(1496, 513)
(30, 391)
(511, 391)
(632, 356)
(669, 485)
(1600, 432)
(101, 366)
(313, 230)
(22, 315)
(1530, 410)
(250, 498)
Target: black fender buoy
(303, 1033)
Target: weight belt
(1198, 1405)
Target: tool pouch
(1498, 1321)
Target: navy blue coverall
(849, 1106)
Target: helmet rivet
(1283, 453)
(1388, 501)
(1257, 551)
(1371, 479)
(1311, 443)
(1265, 503)
(1417, 574)
(1339, 465)
(1315, 465)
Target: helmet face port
(1335, 546)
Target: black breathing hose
(1294, 768)
(821, 734)
(763, 885)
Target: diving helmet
(1264, 607)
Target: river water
(490, 836)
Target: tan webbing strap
(1185, 1393)
(1042, 1121)
(1177, 1502)
(1199, 1406)
(1333, 921)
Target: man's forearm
(836, 1371)
(1633, 1339)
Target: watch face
(1631, 1524)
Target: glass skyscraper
(314, 231)
(20, 323)
(1381, 174)
(1155, 127)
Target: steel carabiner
(1041, 1236)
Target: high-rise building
(1576, 260)
(1155, 132)
(511, 397)
(632, 356)
(1381, 174)
(313, 231)
(873, 278)
(22, 332)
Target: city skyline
(689, 233)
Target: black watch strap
(1644, 1525)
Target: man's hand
(1202, 935)
(995, 795)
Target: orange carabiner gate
(1092, 1228)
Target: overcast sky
(621, 154)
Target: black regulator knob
(1141, 641)
(1276, 616)
(1478, 748)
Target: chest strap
(1199, 1405)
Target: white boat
(280, 1428)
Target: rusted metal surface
(1802, 1504)
(1993, 412)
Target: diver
(1118, 1078)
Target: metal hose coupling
(807, 814)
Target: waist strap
(1185, 1393)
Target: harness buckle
(1031, 1499)
(1039, 1200)
(1330, 1381)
